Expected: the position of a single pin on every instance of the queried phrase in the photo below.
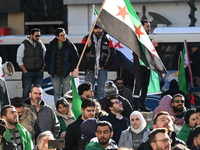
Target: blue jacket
(69, 57)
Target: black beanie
(188, 114)
(2, 127)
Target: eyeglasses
(164, 140)
(119, 83)
(63, 35)
(37, 36)
(117, 102)
(178, 101)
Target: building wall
(79, 16)
(16, 23)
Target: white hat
(8, 68)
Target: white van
(8, 50)
(170, 41)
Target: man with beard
(124, 91)
(15, 132)
(159, 139)
(27, 118)
(99, 55)
(178, 106)
(104, 133)
(85, 90)
(111, 91)
(163, 120)
(119, 122)
(45, 114)
(30, 58)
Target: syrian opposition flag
(124, 55)
(119, 19)
(184, 62)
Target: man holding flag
(99, 55)
(123, 24)
(141, 76)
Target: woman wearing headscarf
(136, 133)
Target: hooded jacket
(46, 117)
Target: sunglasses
(178, 101)
(117, 102)
(37, 36)
(119, 83)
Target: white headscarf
(142, 122)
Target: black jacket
(107, 54)
(8, 145)
(125, 103)
(69, 57)
(73, 134)
(118, 125)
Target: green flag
(154, 83)
(119, 19)
(76, 101)
(182, 76)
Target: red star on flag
(118, 45)
(122, 11)
(138, 31)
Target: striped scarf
(16, 138)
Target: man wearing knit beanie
(111, 91)
(4, 144)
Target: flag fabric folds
(182, 75)
(119, 19)
(124, 55)
(76, 101)
(154, 83)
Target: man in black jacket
(73, 133)
(61, 58)
(112, 92)
(98, 58)
(163, 120)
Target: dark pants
(28, 79)
(141, 82)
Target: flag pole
(90, 34)
(189, 66)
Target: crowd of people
(113, 121)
